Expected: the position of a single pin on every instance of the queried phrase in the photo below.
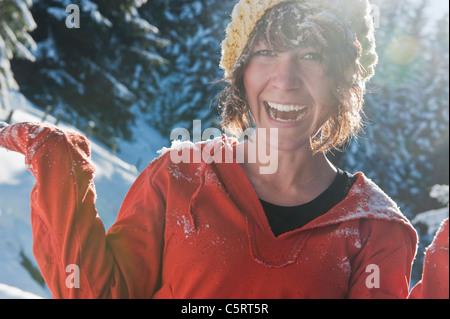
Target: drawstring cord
(196, 193)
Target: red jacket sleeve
(77, 259)
(435, 276)
(383, 266)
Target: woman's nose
(286, 75)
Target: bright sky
(438, 7)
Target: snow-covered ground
(113, 178)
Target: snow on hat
(246, 14)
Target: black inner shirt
(283, 219)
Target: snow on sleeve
(210, 150)
(178, 146)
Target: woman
(221, 229)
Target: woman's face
(290, 91)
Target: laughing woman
(219, 229)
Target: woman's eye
(312, 57)
(266, 53)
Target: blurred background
(127, 72)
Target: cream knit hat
(246, 14)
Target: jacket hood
(365, 199)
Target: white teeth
(274, 108)
(286, 108)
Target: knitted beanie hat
(246, 14)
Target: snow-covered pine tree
(187, 87)
(16, 22)
(407, 108)
(91, 73)
(437, 96)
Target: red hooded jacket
(199, 231)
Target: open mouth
(284, 112)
